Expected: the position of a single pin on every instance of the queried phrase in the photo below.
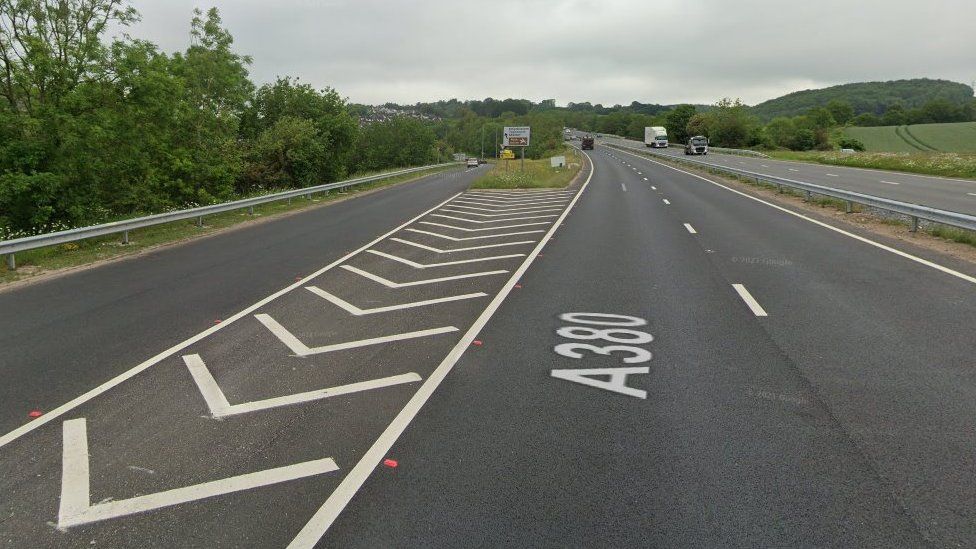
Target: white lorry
(656, 136)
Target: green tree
(842, 111)
(676, 122)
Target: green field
(954, 137)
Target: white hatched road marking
(467, 249)
(496, 203)
(490, 220)
(76, 508)
(481, 237)
(467, 229)
(395, 285)
(219, 406)
(416, 265)
(354, 310)
(300, 349)
(508, 211)
(504, 214)
(754, 305)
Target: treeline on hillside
(868, 97)
(92, 131)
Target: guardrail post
(308, 196)
(914, 227)
(779, 188)
(289, 201)
(200, 221)
(125, 237)
(850, 207)
(809, 197)
(250, 211)
(11, 262)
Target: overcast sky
(602, 51)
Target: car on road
(697, 145)
(472, 162)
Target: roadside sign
(557, 161)
(516, 136)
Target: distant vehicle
(587, 143)
(656, 137)
(599, 135)
(472, 162)
(697, 145)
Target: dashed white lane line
(971, 194)
(794, 170)
(463, 238)
(300, 349)
(893, 182)
(831, 175)
(645, 179)
(764, 165)
(395, 285)
(754, 305)
(416, 265)
(219, 407)
(829, 227)
(624, 187)
(467, 249)
(354, 310)
(690, 228)
(666, 201)
(466, 229)
(653, 188)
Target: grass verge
(32, 263)
(538, 174)
(962, 165)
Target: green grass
(73, 254)
(538, 174)
(962, 165)
(959, 137)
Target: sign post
(517, 136)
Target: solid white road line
(466, 249)
(354, 310)
(416, 265)
(666, 201)
(890, 182)
(466, 229)
(219, 406)
(300, 349)
(396, 285)
(76, 507)
(463, 238)
(827, 226)
(145, 365)
(750, 301)
(624, 187)
(491, 220)
(690, 228)
(504, 214)
(320, 522)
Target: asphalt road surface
(955, 195)
(644, 359)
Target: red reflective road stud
(217, 321)
(518, 286)
(35, 413)
(390, 462)
(476, 342)
(297, 278)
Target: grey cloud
(613, 51)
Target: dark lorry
(587, 143)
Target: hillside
(955, 137)
(870, 97)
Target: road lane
(937, 192)
(732, 446)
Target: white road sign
(516, 136)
